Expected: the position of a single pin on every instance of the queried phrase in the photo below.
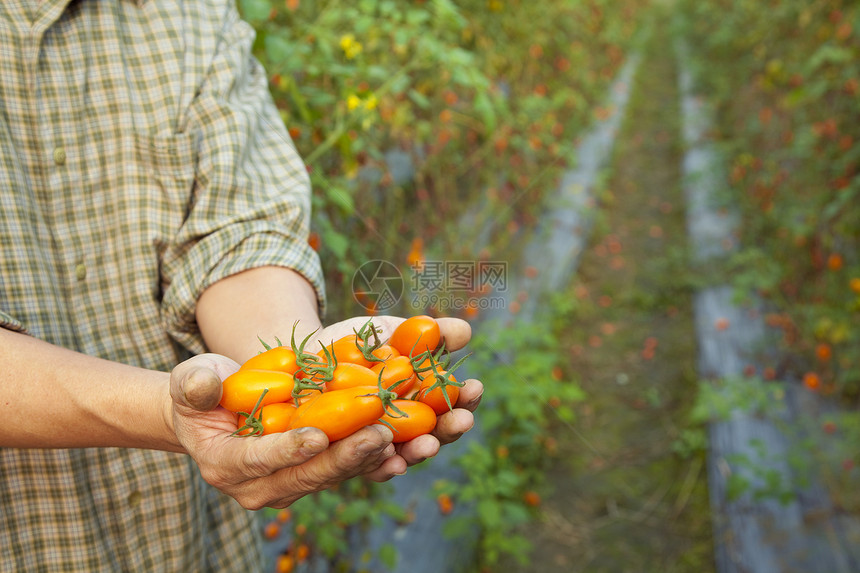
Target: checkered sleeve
(251, 202)
(9, 322)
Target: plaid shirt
(141, 160)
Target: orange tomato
(385, 352)
(271, 530)
(420, 419)
(397, 370)
(242, 389)
(345, 349)
(274, 417)
(348, 375)
(433, 391)
(280, 358)
(340, 413)
(415, 335)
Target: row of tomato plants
(783, 77)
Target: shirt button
(134, 498)
(80, 272)
(59, 156)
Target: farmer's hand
(268, 471)
(276, 470)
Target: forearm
(52, 397)
(263, 302)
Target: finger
(393, 466)
(361, 453)
(455, 332)
(263, 456)
(258, 472)
(470, 395)
(421, 448)
(451, 425)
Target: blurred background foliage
(784, 76)
(410, 113)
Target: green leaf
(419, 99)
(485, 110)
(255, 10)
(828, 54)
(335, 242)
(340, 198)
(388, 555)
(490, 512)
(278, 49)
(736, 486)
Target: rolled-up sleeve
(8, 322)
(251, 198)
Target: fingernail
(384, 433)
(371, 449)
(310, 448)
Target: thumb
(195, 384)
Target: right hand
(269, 471)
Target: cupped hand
(277, 469)
(268, 471)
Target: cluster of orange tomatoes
(355, 381)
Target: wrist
(168, 424)
(263, 302)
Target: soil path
(629, 488)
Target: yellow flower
(352, 102)
(370, 102)
(351, 48)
